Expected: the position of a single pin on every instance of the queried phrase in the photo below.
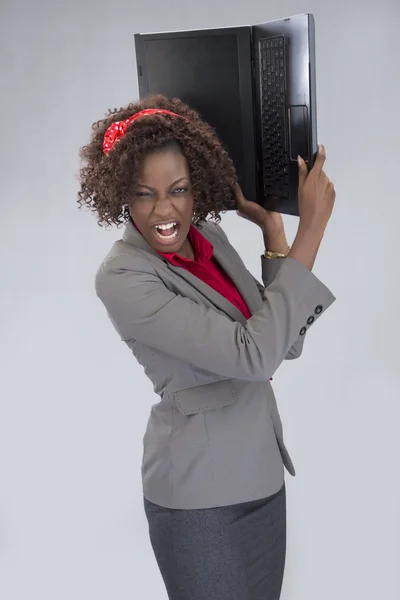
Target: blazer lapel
(232, 265)
(226, 256)
(209, 292)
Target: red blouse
(207, 269)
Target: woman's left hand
(271, 223)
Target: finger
(324, 178)
(320, 159)
(240, 199)
(236, 189)
(329, 190)
(303, 171)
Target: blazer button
(318, 310)
(303, 330)
(310, 320)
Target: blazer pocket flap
(200, 398)
(287, 461)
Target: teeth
(167, 226)
(166, 237)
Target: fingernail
(299, 160)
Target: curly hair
(106, 181)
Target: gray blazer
(214, 437)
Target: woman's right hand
(316, 195)
(316, 200)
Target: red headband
(118, 129)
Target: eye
(181, 190)
(142, 194)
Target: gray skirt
(227, 553)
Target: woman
(209, 337)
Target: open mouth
(167, 233)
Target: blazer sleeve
(142, 308)
(269, 270)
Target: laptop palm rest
(298, 132)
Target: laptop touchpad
(298, 132)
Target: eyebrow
(172, 184)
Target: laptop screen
(203, 71)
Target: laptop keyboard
(273, 116)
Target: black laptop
(255, 85)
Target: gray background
(73, 402)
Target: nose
(163, 208)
